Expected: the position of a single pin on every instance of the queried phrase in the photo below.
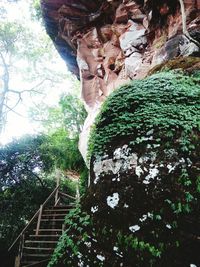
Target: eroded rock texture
(107, 43)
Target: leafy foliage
(26, 179)
(154, 220)
(63, 124)
(74, 113)
(64, 151)
(23, 159)
(156, 102)
(18, 203)
(67, 250)
(27, 168)
(158, 120)
(27, 59)
(24, 167)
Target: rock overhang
(107, 43)
(66, 20)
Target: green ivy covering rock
(165, 101)
(143, 205)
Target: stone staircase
(38, 248)
(39, 238)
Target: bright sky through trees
(26, 74)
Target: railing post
(58, 200)
(57, 185)
(38, 215)
(77, 192)
(17, 261)
(39, 220)
(19, 256)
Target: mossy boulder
(143, 201)
(189, 65)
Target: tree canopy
(27, 60)
(27, 164)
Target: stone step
(49, 230)
(42, 263)
(38, 248)
(36, 255)
(44, 236)
(52, 220)
(56, 210)
(52, 215)
(40, 241)
(63, 207)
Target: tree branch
(184, 24)
(6, 74)
(12, 109)
(38, 178)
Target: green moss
(158, 43)
(187, 64)
(84, 181)
(167, 102)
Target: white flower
(113, 200)
(94, 209)
(144, 217)
(170, 167)
(134, 228)
(88, 244)
(100, 257)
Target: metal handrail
(34, 216)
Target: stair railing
(57, 196)
(55, 192)
(37, 214)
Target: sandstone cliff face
(142, 205)
(108, 43)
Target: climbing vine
(141, 217)
(67, 250)
(166, 102)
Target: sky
(18, 125)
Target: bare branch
(17, 103)
(184, 24)
(40, 83)
(12, 110)
(31, 90)
(6, 74)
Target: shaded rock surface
(107, 43)
(142, 206)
